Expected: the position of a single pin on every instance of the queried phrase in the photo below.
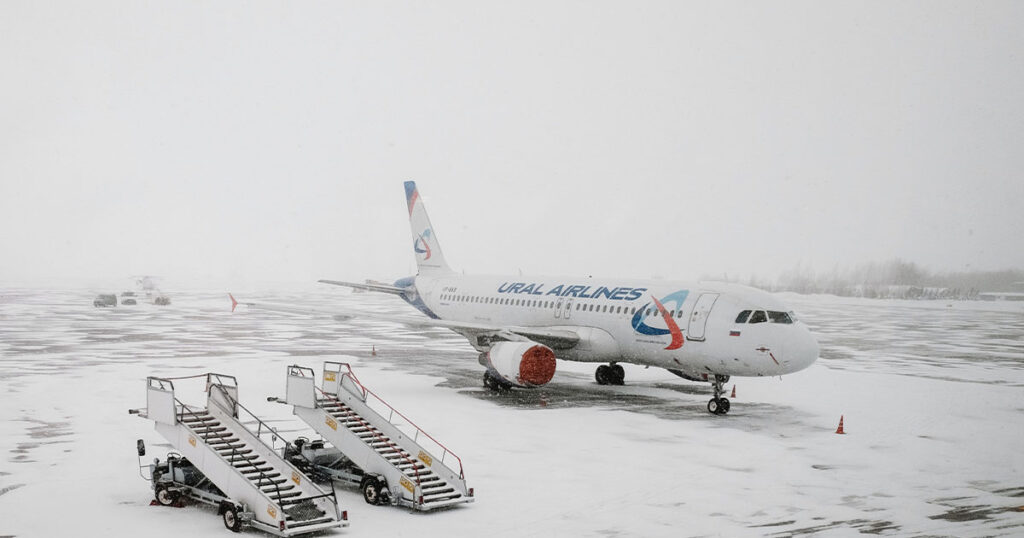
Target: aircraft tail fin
(426, 248)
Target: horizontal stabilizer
(378, 287)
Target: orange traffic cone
(373, 351)
(733, 391)
(839, 430)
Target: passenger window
(742, 318)
(758, 317)
(779, 317)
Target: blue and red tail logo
(421, 246)
(640, 325)
(411, 195)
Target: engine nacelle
(525, 364)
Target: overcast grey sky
(674, 139)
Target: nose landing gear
(610, 374)
(718, 405)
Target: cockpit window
(779, 317)
(742, 318)
(758, 317)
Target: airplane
(705, 331)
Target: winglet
(234, 303)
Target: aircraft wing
(554, 338)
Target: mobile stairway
(369, 443)
(225, 461)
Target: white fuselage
(690, 328)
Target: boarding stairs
(236, 457)
(377, 438)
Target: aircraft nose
(803, 351)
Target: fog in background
(230, 142)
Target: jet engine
(524, 364)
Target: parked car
(128, 298)
(105, 299)
(162, 300)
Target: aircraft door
(568, 309)
(699, 316)
(558, 308)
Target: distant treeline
(895, 279)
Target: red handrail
(366, 391)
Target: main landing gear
(495, 383)
(718, 405)
(610, 374)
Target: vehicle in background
(128, 298)
(105, 299)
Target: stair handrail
(264, 479)
(272, 431)
(419, 430)
(376, 433)
(234, 451)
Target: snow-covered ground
(932, 393)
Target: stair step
(226, 450)
(255, 474)
(198, 422)
(246, 468)
(436, 489)
(224, 441)
(275, 488)
(285, 495)
(307, 523)
(264, 482)
(440, 498)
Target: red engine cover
(526, 364)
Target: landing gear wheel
(493, 383)
(373, 492)
(713, 406)
(718, 406)
(723, 406)
(231, 519)
(165, 496)
(603, 375)
(618, 374)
